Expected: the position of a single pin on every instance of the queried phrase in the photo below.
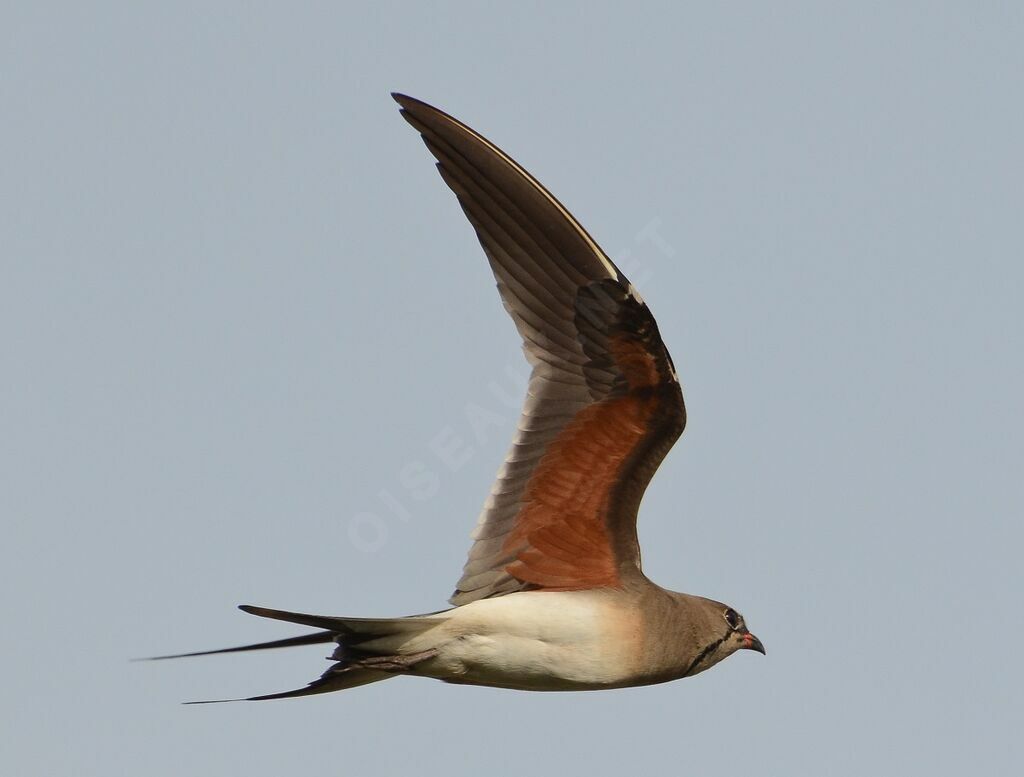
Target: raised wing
(604, 403)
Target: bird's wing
(604, 403)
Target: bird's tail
(368, 649)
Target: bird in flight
(552, 597)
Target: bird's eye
(733, 618)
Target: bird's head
(723, 631)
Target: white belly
(535, 640)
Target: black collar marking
(706, 652)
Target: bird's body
(536, 641)
(552, 597)
(568, 641)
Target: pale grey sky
(239, 304)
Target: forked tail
(368, 649)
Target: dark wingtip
(419, 113)
(403, 99)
